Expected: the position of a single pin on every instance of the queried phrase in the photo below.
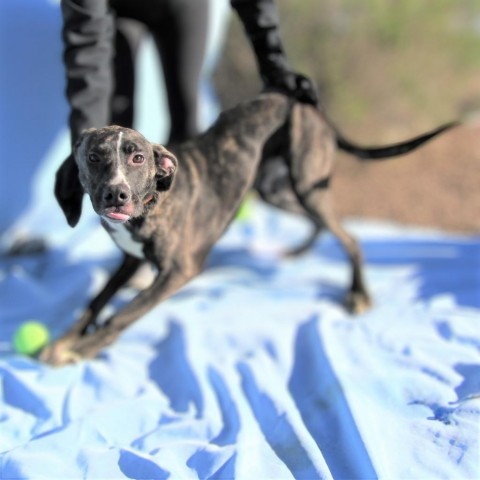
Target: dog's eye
(92, 158)
(138, 158)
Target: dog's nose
(117, 195)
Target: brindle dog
(169, 207)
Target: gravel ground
(438, 186)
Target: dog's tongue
(118, 217)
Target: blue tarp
(254, 369)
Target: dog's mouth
(117, 215)
(122, 213)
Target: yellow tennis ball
(30, 337)
(245, 211)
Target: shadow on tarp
(325, 411)
(205, 462)
(178, 382)
(443, 266)
(276, 427)
(242, 257)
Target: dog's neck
(122, 235)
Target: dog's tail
(394, 150)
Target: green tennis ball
(30, 338)
(245, 211)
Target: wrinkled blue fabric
(254, 369)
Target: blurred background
(386, 70)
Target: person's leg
(129, 34)
(181, 37)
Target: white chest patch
(123, 238)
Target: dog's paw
(358, 303)
(59, 354)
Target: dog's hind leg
(312, 148)
(319, 207)
(307, 244)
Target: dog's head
(119, 169)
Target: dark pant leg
(181, 37)
(180, 32)
(129, 34)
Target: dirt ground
(437, 186)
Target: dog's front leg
(90, 344)
(58, 350)
(122, 275)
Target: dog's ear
(68, 188)
(69, 191)
(166, 164)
